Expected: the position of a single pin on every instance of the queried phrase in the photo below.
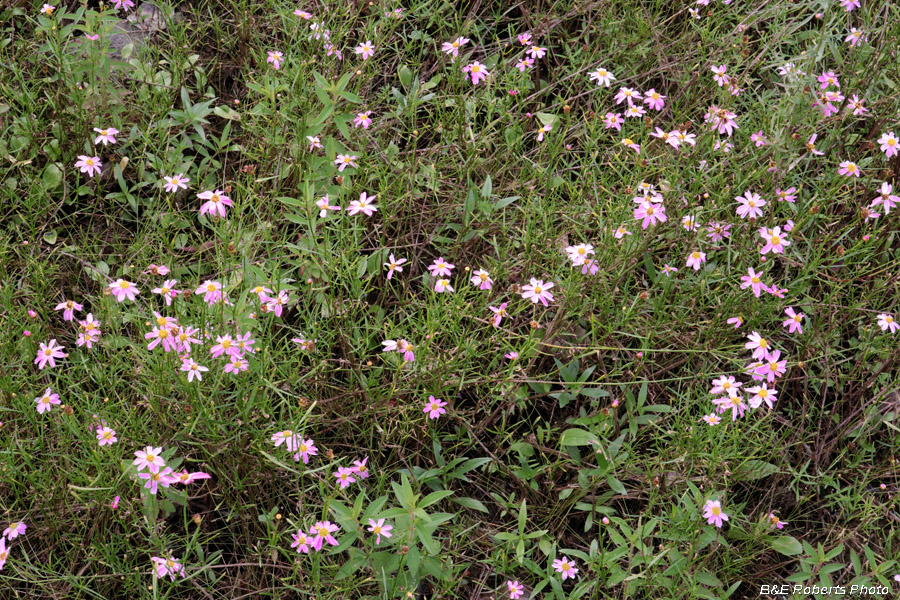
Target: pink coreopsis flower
(120, 4)
(750, 205)
(305, 449)
(794, 321)
(524, 38)
(711, 419)
(717, 231)
(215, 203)
(565, 566)
(650, 214)
(193, 370)
(46, 401)
(366, 50)
(654, 99)
(149, 458)
(361, 468)
(277, 303)
(211, 290)
(524, 64)
(666, 137)
(345, 160)
(167, 566)
(696, 259)
(758, 344)
(537, 291)
(442, 285)
(365, 205)
(482, 279)
(719, 75)
(579, 253)
(890, 144)
(776, 241)
(68, 307)
(771, 367)
(787, 195)
(452, 48)
(345, 477)
(322, 531)
(542, 130)
(303, 14)
(477, 71)
(620, 232)
(828, 78)
(167, 291)
(46, 9)
(15, 530)
(753, 281)
(286, 437)
(156, 479)
(276, 58)
(106, 436)
(849, 5)
(775, 522)
(185, 478)
(379, 528)
(123, 290)
(440, 267)
(602, 77)
(668, 269)
(627, 95)
(629, 143)
(302, 542)
(173, 184)
(725, 385)
(434, 408)
(48, 353)
(811, 145)
(712, 512)
(515, 589)
(856, 36)
(733, 401)
(613, 121)
(536, 52)
(758, 139)
(762, 393)
(314, 142)
(324, 205)
(888, 323)
(363, 119)
(4, 551)
(161, 335)
(89, 164)
(499, 314)
(736, 321)
(224, 345)
(887, 199)
(107, 136)
(849, 169)
(394, 264)
(162, 270)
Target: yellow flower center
(163, 333)
(538, 289)
(754, 280)
(45, 400)
(89, 162)
(695, 255)
(776, 241)
(851, 168)
(48, 352)
(226, 343)
(376, 530)
(214, 198)
(763, 343)
(716, 511)
(124, 285)
(211, 288)
(476, 69)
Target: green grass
(598, 418)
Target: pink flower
(750, 205)
(324, 205)
(68, 307)
(654, 99)
(323, 530)
(167, 566)
(758, 344)
(211, 290)
(566, 567)
(379, 528)
(477, 71)
(524, 38)
(441, 267)
(305, 449)
(15, 530)
(189, 366)
(890, 145)
(717, 231)
(365, 205)
(393, 264)
(758, 139)
(48, 353)
(775, 241)
(314, 142)
(360, 468)
(543, 129)
(668, 269)
(602, 77)
(696, 259)
(888, 323)
(185, 478)
(126, 4)
(499, 313)
(536, 52)
(650, 214)
(452, 48)
(772, 368)
(887, 199)
(149, 458)
(752, 280)
(538, 291)
(735, 402)
(107, 136)
(786, 195)
(711, 419)
(345, 476)
(828, 78)
(515, 589)
(619, 233)
(627, 95)
(613, 121)
(4, 551)
(811, 145)
(167, 291)
(345, 160)
(47, 9)
(712, 512)
(434, 408)
(850, 4)
(525, 64)
(162, 270)
(482, 279)
(775, 522)
(762, 393)
(161, 335)
(719, 75)
(89, 164)
(849, 169)
(442, 285)
(285, 437)
(366, 50)
(275, 58)
(215, 203)
(106, 436)
(629, 143)
(363, 120)
(794, 321)
(302, 542)
(725, 385)
(856, 36)
(46, 402)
